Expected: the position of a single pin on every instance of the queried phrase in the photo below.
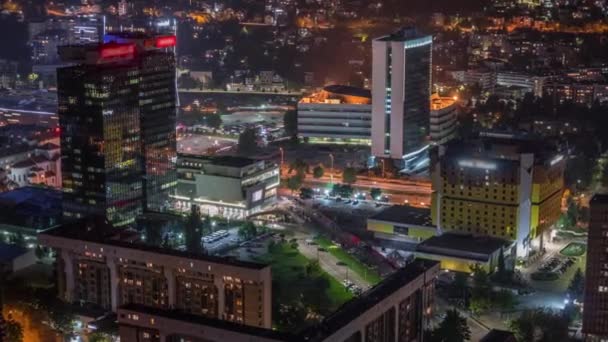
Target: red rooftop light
(117, 50)
(165, 41)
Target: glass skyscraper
(117, 116)
(401, 91)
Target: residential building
(444, 119)
(336, 114)
(595, 314)
(584, 93)
(499, 185)
(532, 83)
(229, 186)
(42, 167)
(105, 266)
(119, 154)
(397, 309)
(401, 89)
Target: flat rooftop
(462, 245)
(404, 34)
(231, 161)
(98, 231)
(348, 90)
(405, 214)
(211, 322)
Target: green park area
(574, 249)
(302, 291)
(365, 272)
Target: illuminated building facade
(337, 114)
(500, 186)
(116, 109)
(595, 315)
(444, 119)
(98, 266)
(228, 186)
(397, 309)
(401, 88)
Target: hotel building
(401, 88)
(499, 185)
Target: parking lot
(222, 240)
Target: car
(341, 263)
(355, 202)
(321, 249)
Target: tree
(577, 285)
(349, 176)
(40, 252)
(99, 337)
(248, 230)
(214, 121)
(294, 183)
(501, 263)
(154, 232)
(540, 325)
(318, 172)
(300, 166)
(193, 230)
(306, 193)
(453, 328)
(375, 193)
(313, 268)
(13, 331)
(290, 122)
(481, 281)
(18, 239)
(248, 142)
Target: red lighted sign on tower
(165, 41)
(117, 50)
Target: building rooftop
(8, 252)
(405, 214)
(441, 102)
(339, 94)
(505, 146)
(462, 246)
(211, 322)
(348, 90)
(98, 231)
(404, 34)
(231, 161)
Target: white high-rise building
(401, 91)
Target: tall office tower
(401, 92)
(499, 185)
(157, 101)
(117, 116)
(595, 315)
